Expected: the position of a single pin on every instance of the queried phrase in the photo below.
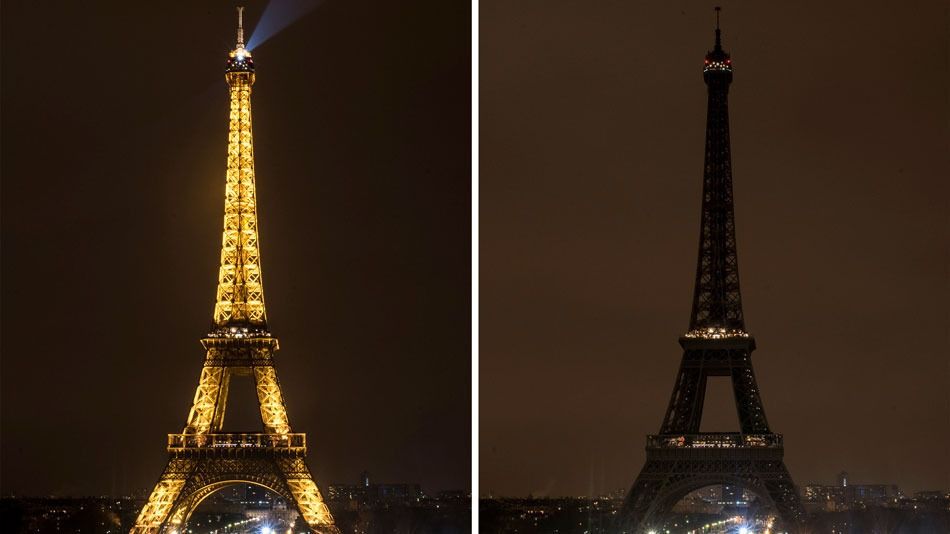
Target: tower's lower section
(679, 464)
(201, 464)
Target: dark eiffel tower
(681, 459)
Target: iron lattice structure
(681, 459)
(202, 459)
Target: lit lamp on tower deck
(203, 459)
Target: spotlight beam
(278, 15)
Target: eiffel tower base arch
(670, 474)
(191, 477)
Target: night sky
(591, 153)
(113, 160)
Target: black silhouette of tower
(681, 459)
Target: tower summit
(203, 458)
(717, 303)
(239, 302)
(239, 59)
(681, 458)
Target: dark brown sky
(592, 124)
(113, 157)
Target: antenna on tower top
(240, 32)
(718, 40)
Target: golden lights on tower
(203, 459)
(716, 333)
(240, 296)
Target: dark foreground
(597, 516)
(97, 515)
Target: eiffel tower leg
(166, 493)
(309, 501)
(273, 412)
(780, 488)
(217, 422)
(639, 506)
(686, 405)
(190, 499)
(210, 399)
(748, 402)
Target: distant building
(715, 499)
(277, 514)
(843, 479)
(732, 496)
(80, 514)
(257, 496)
(845, 495)
(368, 494)
(455, 495)
(875, 494)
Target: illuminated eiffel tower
(202, 459)
(681, 459)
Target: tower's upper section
(239, 301)
(717, 302)
(239, 59)
(717, 68)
